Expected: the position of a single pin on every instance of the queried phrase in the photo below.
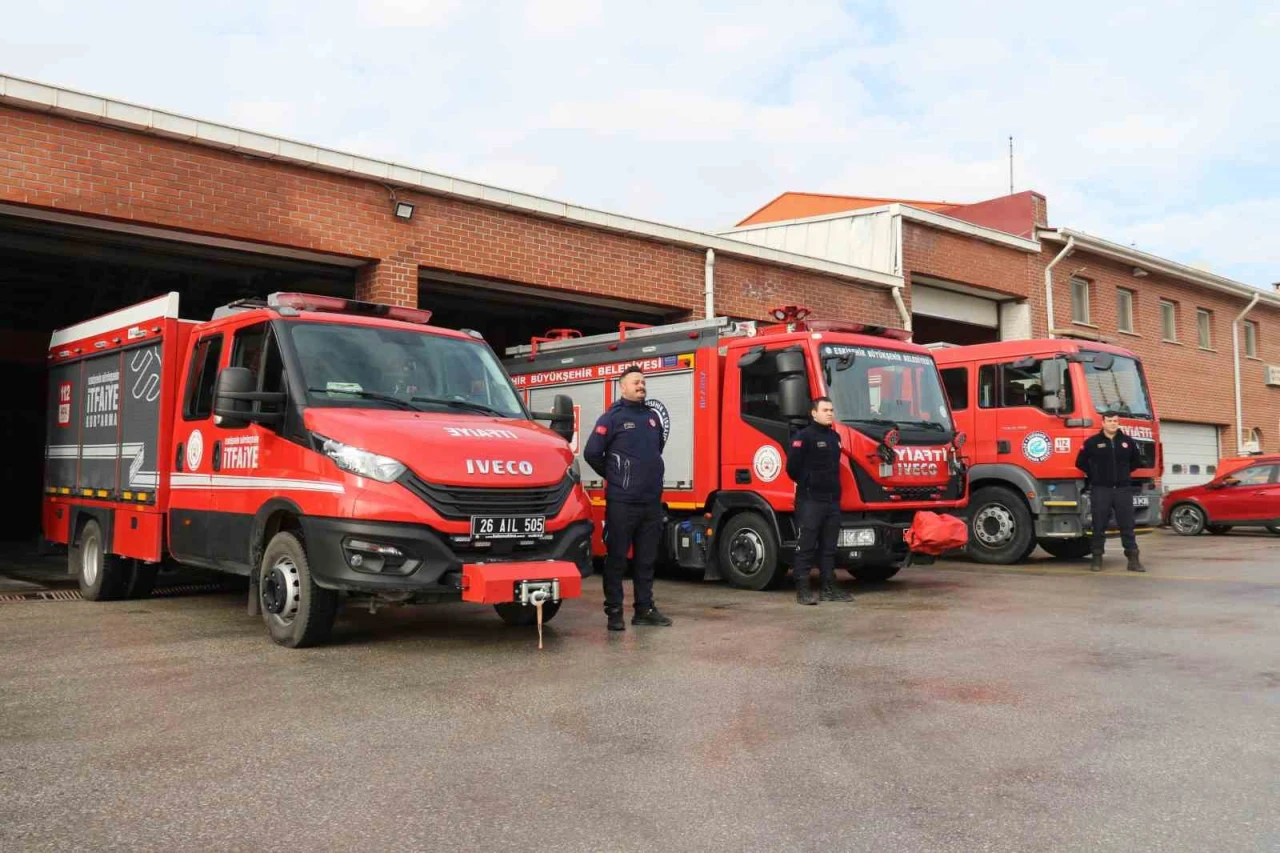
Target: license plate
(507, 526)
(1141, 500)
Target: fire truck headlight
(362, 463)
(857, 537)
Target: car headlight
(574, 470)
(362, 463)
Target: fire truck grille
(462, 502)
(916, 493)
(1147, 452)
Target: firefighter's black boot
(1134, 565)
(804, 595)
(650, 616)
(831, 592)
(616, 622)
(1096, 565)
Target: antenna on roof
(1010, 165)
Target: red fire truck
(729, 394)
(1027, 406)
(323, 447)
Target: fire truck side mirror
(1051, 403)
(1050, 377)
(234, 398)
(560, 416)
(1103, 361)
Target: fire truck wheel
(1067, 549)
(874, 574)
(749, 552)
(297, 612)
(1273, 528)
(102, 576)
(524, 614)
(140, 579)
(1000, 529)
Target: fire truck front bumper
(428, 565)
(868, 541)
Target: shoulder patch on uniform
(602, 430)
(797, 443)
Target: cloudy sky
(1156, 126)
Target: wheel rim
(1186, 519)
(282, 591)
(91, 554)
(746, 552)
(994, 525)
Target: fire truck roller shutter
(588, 398)
(675, 392)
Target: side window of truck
(956, 381)
(1024, 387)
(201, 378)
(987, 387)
(255, 348)
(760, 394)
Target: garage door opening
(53, 274)
(936, 330)
(509, 314)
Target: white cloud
(1158, 126)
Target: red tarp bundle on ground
(933, 533)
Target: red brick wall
(961, 259)
(57, 163)
(1187, 383)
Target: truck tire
(523, 615)
(1067, 549)
(874, 574)
(1000, 528)
(141, 579)
(102, 576)
(1274, 528)
(748, 552)
(297, 612)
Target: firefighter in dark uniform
(1108, 460)
(813, 462)
(626, 449)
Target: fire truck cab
(1027, 406)
(730, 395)
(320, 446)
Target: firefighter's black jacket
(813, 461)
(626, 449)
(1108, 462)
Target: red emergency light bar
(339, 305)
(858, 329)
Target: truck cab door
(192, 498)
(1030, 431)
(764, 389)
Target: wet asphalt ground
(958, 707)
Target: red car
(1245, 493)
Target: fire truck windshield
(876, 386)
(1122, 387)
(373, 367)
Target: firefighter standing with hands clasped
(626, 449)
(813, 462)
(1108, 460)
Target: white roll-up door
(1190, 453)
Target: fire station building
(105, 203)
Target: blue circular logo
(663, 415)
(1037, 446)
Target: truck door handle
(177, 462)
(742, 476)
(1002, 446)
(216, 461)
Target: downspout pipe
(709, 287)
(903, 313)
(1048, 283)
(1235, 353)
(896, 231)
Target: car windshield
(376, 367)
(1122, 388)
(881, 386)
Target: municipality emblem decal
(663, 416)
(1037, 447)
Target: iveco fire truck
(1026, 407)
(729, 395)
(323, 447)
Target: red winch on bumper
(505, 583)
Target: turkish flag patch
(797, 443)
(602, 430)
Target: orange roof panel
(793, 205)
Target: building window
(1168, 320)
(1204, 327)
(1250, 339)
(956, 381)
(1080, 301)
(1124, 309)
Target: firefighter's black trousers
(1106, 500)
(817, 532)
(631, 526)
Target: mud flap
(506, 583)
